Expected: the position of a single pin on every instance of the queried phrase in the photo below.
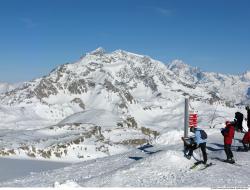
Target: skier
(228, 133)
(246, 140)
(238, 121)
(198, 142)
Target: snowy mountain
(5, 87)
(121, 70)
(232, 89)
(106, 103)
(103, 109)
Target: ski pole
(235, 151)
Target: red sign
(193, 119)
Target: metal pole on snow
(186, 118)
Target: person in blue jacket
(199, 141)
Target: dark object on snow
(145, 146)
(238, 122)
(135, 158)
(230, 161)
(187, 143)
(203, 134)
(248, 116)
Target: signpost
(190, 118)
(186, 118)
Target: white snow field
(157, 166)
(86, 124)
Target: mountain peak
(246, 76)
(182, 69)
(98, 51)
(177, 64)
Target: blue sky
(38, 35)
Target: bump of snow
(97, 117)
(67, 184)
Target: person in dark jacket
(238, 121)
(246, 140)
(198, 142)
(228, 133)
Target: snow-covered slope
(149, 166)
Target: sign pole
(186, 118)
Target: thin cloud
(28, 22)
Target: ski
(225, 161)
(195, 165)
(231, 163)
(207, 165)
